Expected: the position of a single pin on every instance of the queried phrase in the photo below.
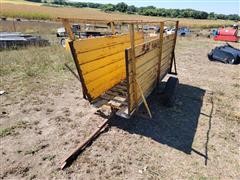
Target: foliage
(146, 11)
(131, 9)
(38, 1)
(108, 7)
(121, 7)
(151, 10)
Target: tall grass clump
(26, 15)
(34, 62)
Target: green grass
(34, 61)
(26, 15)
(6, 131)
(11, 130)
(33, 69)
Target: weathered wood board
(146, 63)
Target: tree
(108, 7)
(147, 11)
(121, 7)
(211, 15)
(61, 2)
(221, 16)
(131, 9)
(94, 5)
(234, 17)
(39, 1)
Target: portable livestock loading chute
(120, 71)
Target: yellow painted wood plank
(168, 45)
(84, 45)
(167, 52)
(146, 88)
(148, 83)
(146, 58)
(147, 67)
(163, 74)
(146, 78)
(104, 71)
(164, 71)
(168, 37)
(167, 59)
(89, 56)
(104, 83)
(166, 65)
(144, 48)
(100, 63)
(144, 100)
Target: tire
(169, 91)
(63, 42)
(210, 56)
(231, 61)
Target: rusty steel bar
(73, 155)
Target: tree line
(146, 11)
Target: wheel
(231, 61)
(63, 42)
(210, 56)
(169, 91)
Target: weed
(36, 149)
(49, 157)
(6, 131)
(26, 15)
(11, 130)
(236, 85)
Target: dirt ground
(43, 117)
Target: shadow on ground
(175, 126)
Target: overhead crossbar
(115, 21)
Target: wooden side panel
(102, 61)
(167, 52)
(147, 60)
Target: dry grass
(37, 27)
(32, 64)
(44, 12)
(21, 2)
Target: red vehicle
(229, 34)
